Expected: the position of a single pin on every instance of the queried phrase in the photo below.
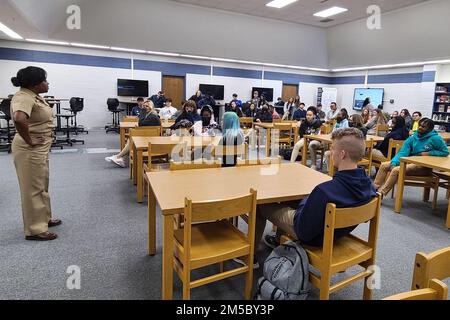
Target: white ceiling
(302, 11)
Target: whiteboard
(329, 95)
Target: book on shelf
(442, 108)
(441, 89)
(443, 99)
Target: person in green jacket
(425, 142)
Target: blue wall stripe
(292, 78)
(348, 80)
(171, 68)
(429, 76)
(63, 58)
(396, 78)
(237, 73)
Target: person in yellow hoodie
(417, 116)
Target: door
(289, 91)
(173, 88)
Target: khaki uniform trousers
(32, 167)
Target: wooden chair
(435, 265)
(394, 147)
(203, 244)
(141, 132)
(337, 256)
(258, 162)
(381, 128)
(130, 119)
(367, 161)
(326, 129)
(443, 180)
(220, 151)
(192, 165)
(285, 133)
(435, 290)
(429, 182)
(246, 123)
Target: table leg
(134, 163)
(122, 138)
(151, 222)
(139, 178)
(400, 187)
(447, 222)
(167, 262)
(305, 151)
(268, 132)
(296, 129)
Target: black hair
(366, 102)
(380, 106)
(140, 99)
(420, 114)
(400, 123)
(313, 110)
(428, 123)
(235, 95)
(406, 112)
(344, 113)
(206, 108)
(29, 77)
(169, 100)
(301, 103)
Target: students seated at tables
(320, 113)
(365, 115)
(300, 114)
(424, 142)
(376, 119)
(274, 113)
(237, 101)
(398, 132)
(146, 119)
(333, 113)
(264, 115)
(393, 115)
(137, 110)
(158, 99)
(279, 106)
(356, 121)
(207, 127)
(167, 112)
(289, 109)
(416, 118)
(233, 107)
(197, 97)
(350, 187)
(256, 100)
(407, 116)
(310, 126)
(232, 135)
(189, 113)
(341, 120)
(251, 111)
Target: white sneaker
(119, 161)
(109, 159)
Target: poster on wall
(326, 96)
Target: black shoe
(271, 241)
(54, 223)
(46, 236)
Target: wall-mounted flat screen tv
(267, 92)
(216, 91)
(132, 88)
(376, 97)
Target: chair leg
(434, 203)
(367, 294)
(249, 277)
(426, 194)
(324, 285)
(221, 266)
(186, 282)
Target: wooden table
(326, 139)
(436, 163)
(126, 126)
(140, 145)
(445, 136)
(269, 126)
(286, 183)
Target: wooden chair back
(285, 132)
(326, 129)
(381, 128)
(246, 122)
(145, 132)
(165, 149)
(220, 151)
(436, 290)
(394, 148)
(192, 165)
(258, 162)
(435, 265)
(130, 119)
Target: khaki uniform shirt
(40, 115)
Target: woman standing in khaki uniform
(33, 119)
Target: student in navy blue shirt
(235, 99)
(300, 114)
(139, 109)
(350, 187)
(399, 132)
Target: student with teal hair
(232, 136)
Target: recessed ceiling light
(164, 53)
(280, 3)
(330, 12)
(60, 43)
(9, 32)
(84, 45)
(128, 50)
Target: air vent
(326, 20)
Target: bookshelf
(441, 105)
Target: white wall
(443, 73)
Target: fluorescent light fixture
(59, 43)
(92, 46)
(194, 57)
(164, 53)
(128, 50)
(225, 60)
(330, 12)
(9, 32)
(280, 3)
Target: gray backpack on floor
(286, 274)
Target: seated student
(333, 113)
(407, 116)
(365, 115)
(251, 111)
(264, 115)
(425, 142)
(356, 121)
(341, 120)
(233, 107)
(158, 99)
(398, 132)
(321, 114)
(189, 112)
(274, 113)
(232, 136)
(376, 119)
(146, 119)
(207, 127)
(279, 106)
(310, 126)
(137, 110)
(393, 115)
(350, 187)
(237, 101)
(289, 109)
(416, 116)
(167, 112)
(300, 114)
